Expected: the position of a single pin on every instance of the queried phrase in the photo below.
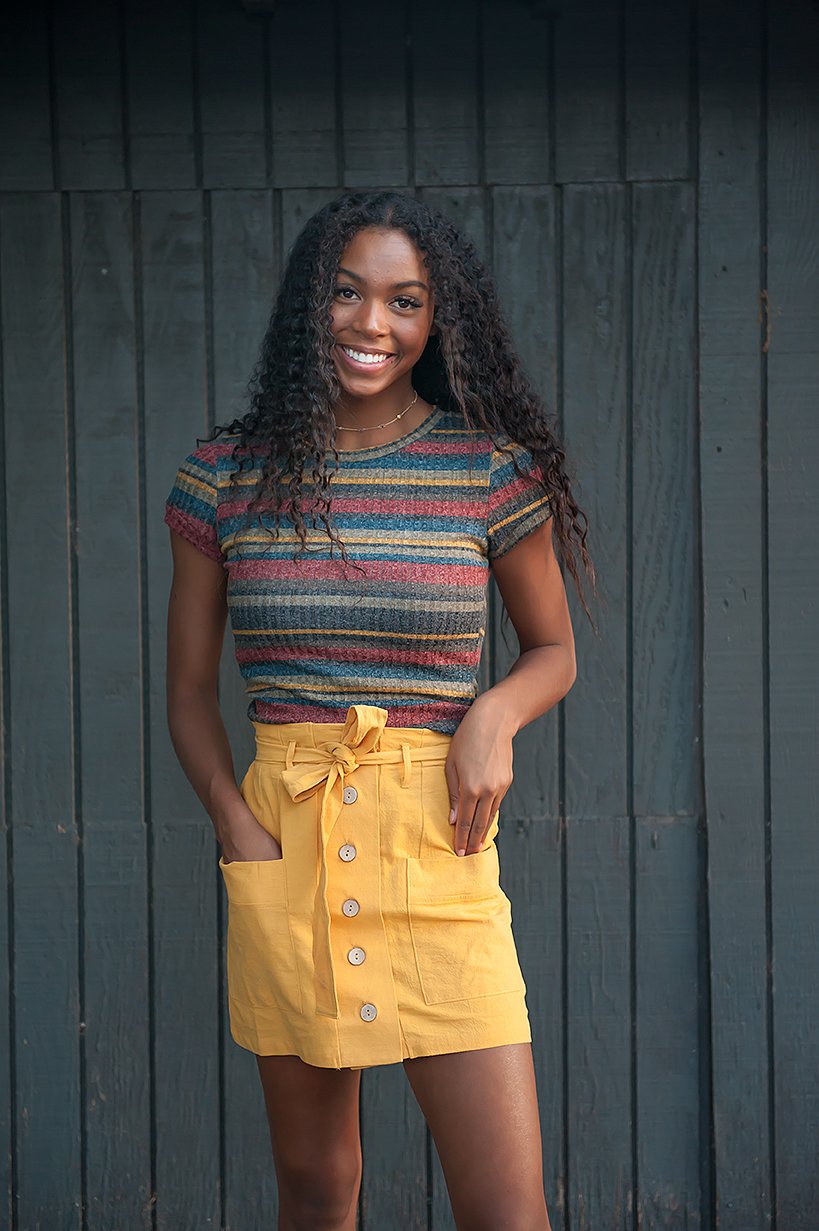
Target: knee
(319, 1194)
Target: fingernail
(462, 852)
(452, 816)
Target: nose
(371, 318)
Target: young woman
(393, 453)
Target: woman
(393, 452)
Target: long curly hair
(469, 366)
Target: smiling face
(382, 313)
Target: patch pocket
(261, 960)
(461, 925)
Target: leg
(481, 1107)
(313, 1118)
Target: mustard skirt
(370, 941)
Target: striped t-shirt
(407, 633)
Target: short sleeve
(192, 503)
(517, 506)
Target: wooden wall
(644, 179)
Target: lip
(356, 365)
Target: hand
(479, 773)
(244, 839)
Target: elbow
(571, 670)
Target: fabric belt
(330, 764)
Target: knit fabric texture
(423, 516)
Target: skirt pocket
(461, 926)
(261, 961)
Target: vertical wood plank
(159, 59)
(243, 276)
(184, 868)
(596, 429)
(515, 57)
(394, 1140)
(25, 96)
(303, 88)
(657, 69)
(47, 972)
(296, 208)
(793, 586)
(445, 85)
(731, 466)
(115, 925)
(587, 93)
(665, 581)
(88, 95)
(373, 96)
(231, 53)
(670, 1150)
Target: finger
(463, 822)
(451, 775)
(480, 824)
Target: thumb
(452, 784)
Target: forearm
(537, 680)
(200, 741)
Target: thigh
(481, 1107)
(312, 1112)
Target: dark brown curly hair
(469, 366)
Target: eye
(406, 301)
(341, 291)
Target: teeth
(362, 358)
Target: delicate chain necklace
(376, 426)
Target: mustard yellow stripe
(353, 632)
(520, 513)
(189, 481)
(376, 538)
(441, 478)
(393, 687)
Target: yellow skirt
(370, 941)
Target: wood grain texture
(657, 54)
(304, 119)
(26, 154)
(114, 847)
(46, 1006)
(515, 57)
(373, 96)
(87, 95)
(664, 534)
(588, 98)
(734, 617)
(793, 579)
(230, 75)
(160, 96)
(184, 871)
(445, 85)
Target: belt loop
(406, 773)
(289, 756)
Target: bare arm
(197, 614)
(479, 765)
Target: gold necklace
(376, 426)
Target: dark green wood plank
(394, 1140)
(158, 41)
(669, 1146)
(524, 261)
(88, 95)
(445, 84)
(733, 608)
(515, 55)
(243, 278)
(230, 48)
(303, 88)
(184, 868)
(657, 68)
(587, 92)
(664, 584)
(25, 121)
(296, 207)
(373, 96)
(115, 924)
(793, 579)
(595, 425)
(46, 905)
(595, 346)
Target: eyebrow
(397, 286)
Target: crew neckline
(394, 446)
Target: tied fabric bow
(330, 764)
